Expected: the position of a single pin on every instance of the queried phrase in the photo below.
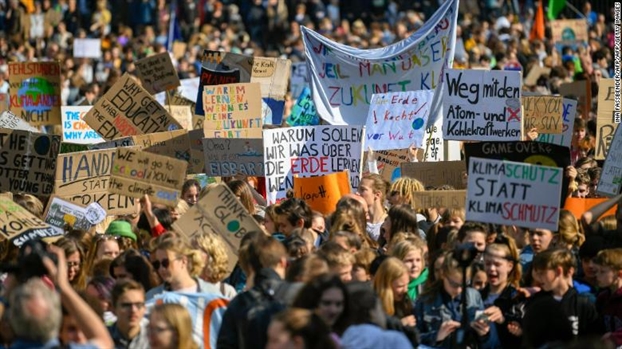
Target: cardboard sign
(174, 144)
(611, 177)
(322, 192)
(183, 115)
(238, 133)
(87, 48)
(75, 130)
(35, 92)
(440, 198)
(303, 112)
(157, 73)
(117, 143)
(5, 102)
(299, 80)
(436, 174)
(397, 120)
(228, 157)
(545, 113)
(84, 177)
(210, 77)
(27, 161)
(309, 151)
(11, 121)
(136, 173)
(569, 31)
(513, 193)
(60, 213)
(575, 89)
(127, 109)
(232, 106)
(197, 159)
(219, 212)
(605, 122)
(535, 73)
(578, 206)
(482, 105)
(388, 163)
(568, 115)
(19, 226)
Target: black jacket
(512, 303)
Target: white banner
(611, 177)
(75, 129)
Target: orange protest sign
(579, 205)
(322, 192)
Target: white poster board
(87, 48)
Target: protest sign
(87, 48)
(611, 176)
(60, 213)
(136, 173)
(19, 226)
(434, 146)
(27, 161)
(440, 198)
(343, 78)
(5, 102)
(569, 31)
(323, 192)
(11, 121)
(157, 73)
(237, 133)
(481, 105)
(66, 147)
(210, 77)
(578, 206)
(436, 174)
(397, 120)
(219, 212)
(568, 116)
(388, 163)
(174, 144)
(127, 109)
(75, 130)
(545, 113)
(197, 159)
(574, 89)
(228, 157)
(35, 92)
(299, 79)
(182, 114)
(535, 73)
(84, 177)
(232, 106)
(189, 89)
(119, 142)
(513, 193)
(303, 112)
(309, 151)
(605, 121)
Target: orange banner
(578, 206)
(322, 192)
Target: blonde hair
(180, 246)
(182, 207)
(30, 203)
(569, 230)
(390, 270)
(402, 248)
(217, 259)
(609, 222)
(510, 253)
(406, 187)
(179, 319)
(459, 212)
(611, 258)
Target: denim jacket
(431, 313)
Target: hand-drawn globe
(568, 35)
(31, 92)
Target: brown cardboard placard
(183, 115)
(174, 144)
(436, 173)
(157, 73)
(535, 73)
(605, 123)
(578, 27)
(19, 226)
(227, 157)
(232, 106)
(197, 160)
(237, 133)
(35, 92)
(440, 198)
(545, 113)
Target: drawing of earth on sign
(568, 35)
(37, 95)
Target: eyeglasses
(73, 265)
(163, 263)
(129, 306)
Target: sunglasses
(165, 263)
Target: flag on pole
(174, 30)
(537, 31)
(555, 7)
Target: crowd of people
(378, 272)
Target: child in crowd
(609, 302)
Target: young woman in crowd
(103, 246)
(373, 189)
(216, 261)
(391, 285)
(131, 265)
(401, 218)
(170, 327)
(75, 261)
(410, 252)
(190, 191)
(301, 329)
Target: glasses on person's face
(75, 265)
(130, 306)
(165, 263)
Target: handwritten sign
(232, 106)
(5, 101)
(482, 105)
(127, 109)
(197, 159)
(388, 163)
(228, 157)
(440, 198)
(303, 112)
(11, 121)
(237, 133)
(544, 113)
(299, 79)
(436, 173)
(568, 115)
(119, 142)
(322, 192)
(174, 144)
(309, 151)
(157, 73)
(84, 178)
(60, 213)
(35, 92)
(569, 31)
(27, 161)
(75, 130)
(19, 226)
(219, 212)
(611, 177)
(535, 73)
(87, 48)
(210, 77)
(398, 119)
(506, 192)
(136, 173)
(182, 114)
(605, 121)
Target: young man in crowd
(130, 330)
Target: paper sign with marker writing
(183, 115)
(605, 121)
(219, 212)
(482, 105)
(545, 113)
(388, 163)
(568, 115)
(19, 226)
(513, 193)
(75, 130)
(440, 198)
(174, 144)
(238, 133)
(28, 161)
(11, 121)
(569, 31)
(303, 112)
(84, 177)
(230, 157)
(397, 120)
(157, 73)
(35, 92)
(87, 48)
(232, 106)
(437, 174)
(309, 151)
(127, 109)
(322, 192)
(136, 173)
(61, 213)
(299, 79)
(611, 176)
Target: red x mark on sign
(513, 114)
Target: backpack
(268, 302)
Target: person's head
(450, 277)
(291, 214)
(30, 203)
(348, 240)
(131, 265)
(351, 215)
(75, 259)
(582, 182)
(297, 328)
(501, 262)
(267, 252)
(105, 246)
(454, 217)
(479, 280)
(128, 304)
(436, 264)
(579, 129)
(327, 296)
(391, 283)
(609, 267)
(35, 311)
(174, 260)
(568, 233)
(340, 261)
(362, 264)
(410, 252)
(401, 218)
(346, 220)
(373, 189)
(588, 251)
(402, 191)
(541, 239)
(242, 191)
(100, 288)
(170, 327)
(306, 268)
(70, 331)
(475, 233)
(123, 230)
(318, 223)
(190, 191)
(552, 268)
(214, 253)
(270, 221)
